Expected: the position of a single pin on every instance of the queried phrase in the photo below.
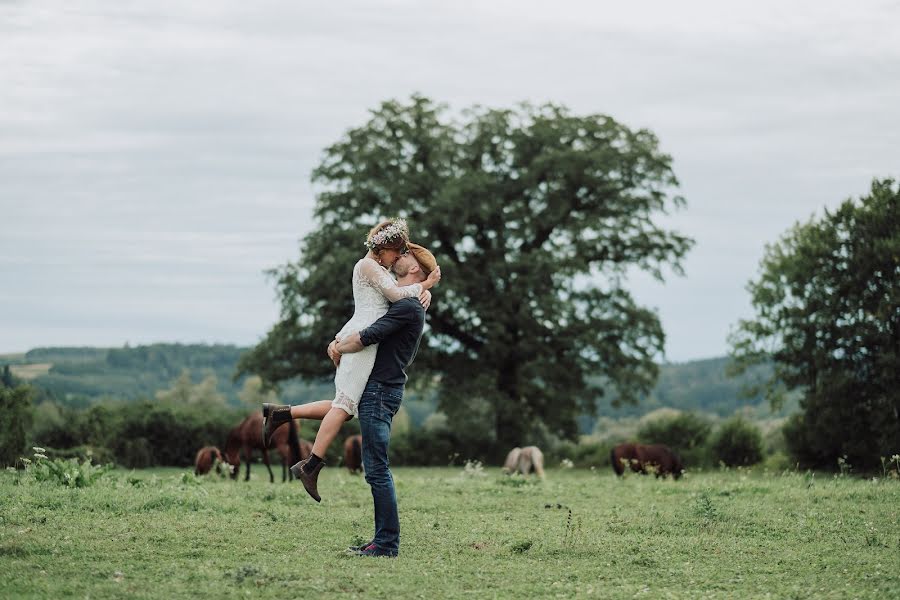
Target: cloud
(155, 156)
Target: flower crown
(397, 228)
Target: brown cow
(353, 453)
(206, 458)
(644, 458)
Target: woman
(373, 290)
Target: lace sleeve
(384, 283)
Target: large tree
(827, 305)
(536, 217)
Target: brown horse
(245, 438)
(206, 458)
(353, 453)
(643, 458)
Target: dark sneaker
(373, 550)
(274, 416)
(358, 549)
(309, 480)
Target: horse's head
(232, 462)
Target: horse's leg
(265, 454)
(247, 457)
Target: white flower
(36, 449)
(44, 456)
(398, 227)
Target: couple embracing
(371, 353)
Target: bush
(585, 454)
(70, 473)
(15, 421)
(737, 443)
(685, 433)
(427, 448)
(140, 434)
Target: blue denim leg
(377, 408)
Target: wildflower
(36, 449)
(38, 455)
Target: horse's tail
(293, 442)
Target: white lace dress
(373, 290)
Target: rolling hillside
(79, 376)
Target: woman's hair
(388, 235)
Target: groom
(397, 334)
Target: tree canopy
(536, 216)
(827, 304)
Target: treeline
(79, 377)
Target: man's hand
(350, 344)
(425, 299)
(333, 353)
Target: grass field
(30, 371)
(163, 534)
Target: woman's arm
(384, 283)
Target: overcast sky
(155, 156)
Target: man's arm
(349, 344)
(398, 315)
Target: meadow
(163, 533)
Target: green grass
(160, 534)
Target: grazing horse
(353, 453)
(246, 437)
(644, 458)
(524, 461)
(206, 458)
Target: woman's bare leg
(328, 430)
(311, 410)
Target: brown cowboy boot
(274, 415)
(309, 479)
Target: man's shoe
(274, 415)
(373, 550)
(358, 549)
(310, 479)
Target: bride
(373, 290)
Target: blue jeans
(377, 408)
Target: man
(397, 334)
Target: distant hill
(80, 376)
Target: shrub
(15, 421)
(685, 433)
(141, 433)
(737, 443)
(70, 473)
(588, 452)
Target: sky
(155, 156)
